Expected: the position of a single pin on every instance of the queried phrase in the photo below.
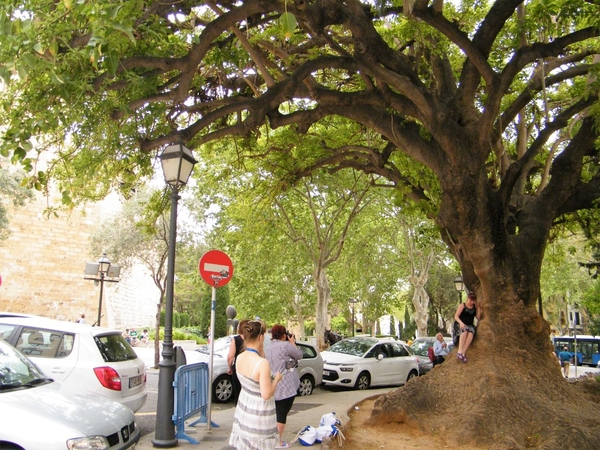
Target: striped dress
(254, 422)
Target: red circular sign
(216, 268)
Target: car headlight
(346, 368)
(88, 443)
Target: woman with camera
(283, 355)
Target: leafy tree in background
(11, 190)
(484, 114)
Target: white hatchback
(361, 362)
(83, 358)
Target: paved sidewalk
(306, 411)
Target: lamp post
(352, 302)
(102, 271)
(460, 287)
(177, 163)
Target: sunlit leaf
(288, 23)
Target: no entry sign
(216, 268)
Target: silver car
(310, 367)
(83, 358)
(35, 414)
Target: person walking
(565, 360)
(284, 356)
(254, 421)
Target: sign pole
(216, 269)
(213, 308)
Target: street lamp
(460, 286)
(177, 163)
(352, 302)
(102, 271)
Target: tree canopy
(482, 113)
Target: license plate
(135, 381)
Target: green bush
(339, 325)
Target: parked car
(93, 359)
(310, 367)
(420, 346)
(361, 362)
(35, 414)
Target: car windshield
(353, 346)
(221, 345)
(420, 348)
(16, 371)
(114, 348)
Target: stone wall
(42, 268)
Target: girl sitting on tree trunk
(465, 316)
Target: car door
(402, 362)
(51, 350)
(383, 368)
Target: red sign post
(216, 268)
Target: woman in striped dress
(254, 422)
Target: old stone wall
(42, 268)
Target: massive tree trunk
(511, 393)
(323, 296)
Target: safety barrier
(191, 397)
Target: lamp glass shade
(459, 284)
(103, 264)
(177, 163)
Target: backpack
(430, 354)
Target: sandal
(460, 356)
(464, 359)
(283, 445)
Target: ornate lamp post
(100, 271)
(460, 287)
(177, 163)
(352, 302)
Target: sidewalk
(306, 411)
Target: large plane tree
(484, 114)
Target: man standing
(565, 359)
(81, 319)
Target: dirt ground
(362, 434)
(359, 436)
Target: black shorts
(282, 408)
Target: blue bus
(588, 348)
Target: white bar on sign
(209, 267)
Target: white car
(35, 414)
(361, 362)
(310, 367)
(83, 358)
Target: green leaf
(38, 48)
(288, 23)
(55, 78)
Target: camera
(289, 335)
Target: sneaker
(283, 445)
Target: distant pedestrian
(565, 360)
(81, 319)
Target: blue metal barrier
(191, 397)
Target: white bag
(306, 436)
(330, 419)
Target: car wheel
(363, 381)
(222, 389)
(307, 384)
(412, 374)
